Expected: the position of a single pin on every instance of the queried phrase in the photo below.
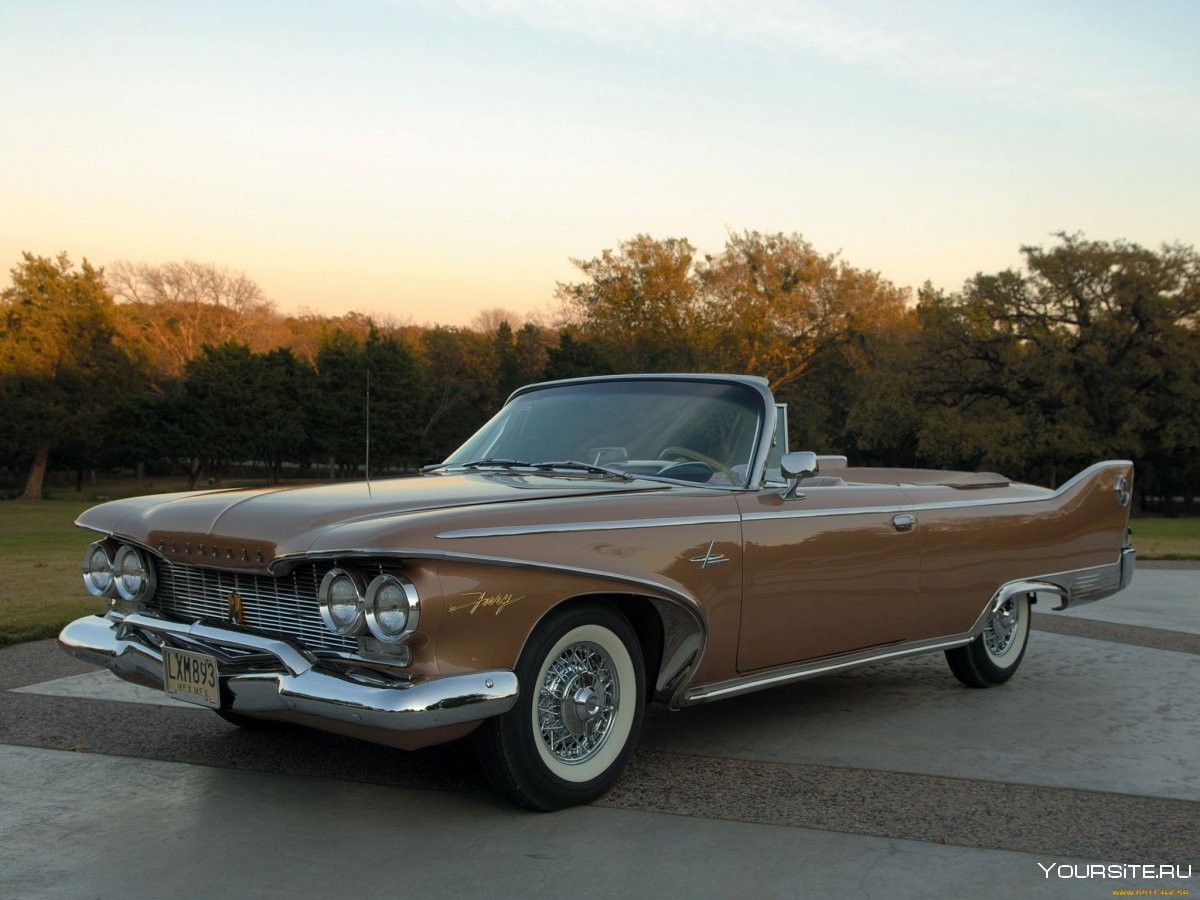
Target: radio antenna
(368, 432)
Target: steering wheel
(700, 457)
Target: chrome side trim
(917, 506)
(127, 647)
(788, 674)
(568, 527)
(1073, 587)
(793, 513)
(1064, 488)
(1080, 586)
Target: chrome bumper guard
(1128, 564)
(296, 683)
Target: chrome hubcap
(577, 703)
(1001, 629)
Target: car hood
(247, 529)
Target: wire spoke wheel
(1000, 632)
(579, 712)
(993, 657)
(577, 703)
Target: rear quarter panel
(972, 542)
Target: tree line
(1091, 350)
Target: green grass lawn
(1159, 538)
(41, 553)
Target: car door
(831, 571)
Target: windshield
(698, 431)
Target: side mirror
(795, 466)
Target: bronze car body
(663, 547)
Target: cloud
(1024, 56)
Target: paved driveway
(888, 781)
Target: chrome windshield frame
(761, 441)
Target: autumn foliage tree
(179, 307)
(773, 305)
(639, 303)
(1090, 350)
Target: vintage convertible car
(599, 544)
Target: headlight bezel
(324, 602)
(375, 620)
(144, 589)
(89, 581)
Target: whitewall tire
(578, 715)
(993, 656)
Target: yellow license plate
(191, 677)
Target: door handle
(904, 521)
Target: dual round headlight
(389, 606)
(128, 575)
(98, 570)
(134, 574)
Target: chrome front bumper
(296, 683)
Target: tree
(179, 307)
(60, 361)
(1089, 353)
(460, 367)
(488, 320)
(286, 390)
(397, 401)
(773, 305)
(574, 357)
(341, 408)
(639, 305)
(220, 418)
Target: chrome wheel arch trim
(684, 639)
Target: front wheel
(993, 657)
(577, 718)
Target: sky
(424, 160)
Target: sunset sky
(426, 160)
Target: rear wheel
(993, 657)
(577, 718)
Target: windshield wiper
(569, 464)
(583, 467)
(480, 464)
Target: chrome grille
(285, 606)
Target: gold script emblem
(237, 614)
(498, 602)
